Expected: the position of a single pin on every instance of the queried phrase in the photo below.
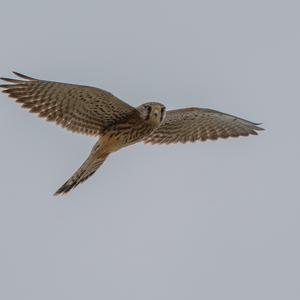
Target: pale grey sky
(214, 220)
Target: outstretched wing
(192, 124)
(78, 108)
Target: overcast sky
(214, 220)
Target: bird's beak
(156, 111)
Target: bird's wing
(192, 124)
(78, 108)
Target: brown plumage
(95, 112)
(193, 124)
(83, 109)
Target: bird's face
(153, 112)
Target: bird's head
(153, 112)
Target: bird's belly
(123, 137)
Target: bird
(116, 124)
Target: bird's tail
(87, 169)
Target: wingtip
(257, 127)
(11, 80)
(23, 76)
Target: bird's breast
(122, 135)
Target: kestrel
(116, 124)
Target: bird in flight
(116, 124)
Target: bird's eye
(163, 109)
(148, 109)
